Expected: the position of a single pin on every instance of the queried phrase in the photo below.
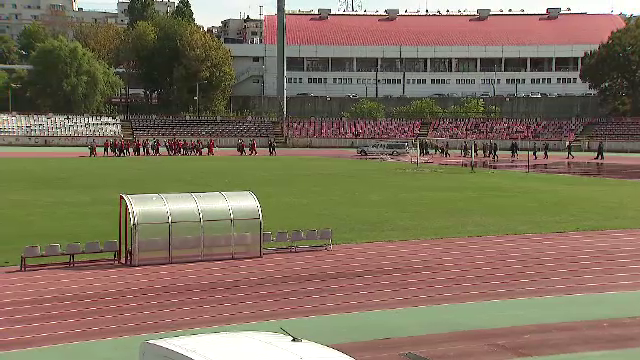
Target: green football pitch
(61, 200)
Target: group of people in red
(174, 147)
(177, 147)
(241, 147)
(119, 147)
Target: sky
(212, 12)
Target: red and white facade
(425, 55)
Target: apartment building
(16, 14)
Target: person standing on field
(569, 153)
(546, 151)
(600, 153)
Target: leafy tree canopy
(366, 109)
(9, 53)
(183, 12)
(472, 108)
(172, 56)
(419, 109)
(31, 36)
(614, 70)
(103, 40)
(68, 78)
(141, 10)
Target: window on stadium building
(391, 65)
(440, 81)
(567, 81)
(317, 64)
(466, 65)
(343, 81)
(490, 64)
(490, 81)
(465, 81)
(541, 64)
(567, 64)
(415, 65)
(441, 65)
(316, 80)
(515, 65)
(366, 64)
(295, 64)
(342, 64)
(516, 81)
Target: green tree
(68, 78)
(103, 40)
(472, 107)
(366, 109)
(183, 11)
(206, 61)
(9, 53)
(31, 36)
(613, 69)
(171, 56)
(141, 10)
(418, 109)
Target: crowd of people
(173, 147)
(489, 149)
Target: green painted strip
(364, 326)
(627, 354)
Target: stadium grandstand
(419, 55)
(228, 130)
(59, 125)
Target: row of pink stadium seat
(348, 129)
(505, 129)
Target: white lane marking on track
(350, 302)
(110, 284)
(313, 288)
(201, 316)
(379, 246)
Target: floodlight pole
(418, 154)
(473, 156)
(528, 150)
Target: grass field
(76, 199)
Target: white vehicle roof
(249, 345)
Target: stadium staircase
(425, 125)
(586, 133)
(127, 129)
(278, 134)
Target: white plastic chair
(52, 250)
(92, 247)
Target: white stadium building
(419, 55)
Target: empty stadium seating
(59, 125)
(624, 129)
(183, 128)
(506, 129)
(349, 129)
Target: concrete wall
(320, 106)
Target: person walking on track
(600, 153)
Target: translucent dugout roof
(192, 207)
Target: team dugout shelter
(188, 227)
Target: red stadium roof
(445, 30)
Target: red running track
(40, 308)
